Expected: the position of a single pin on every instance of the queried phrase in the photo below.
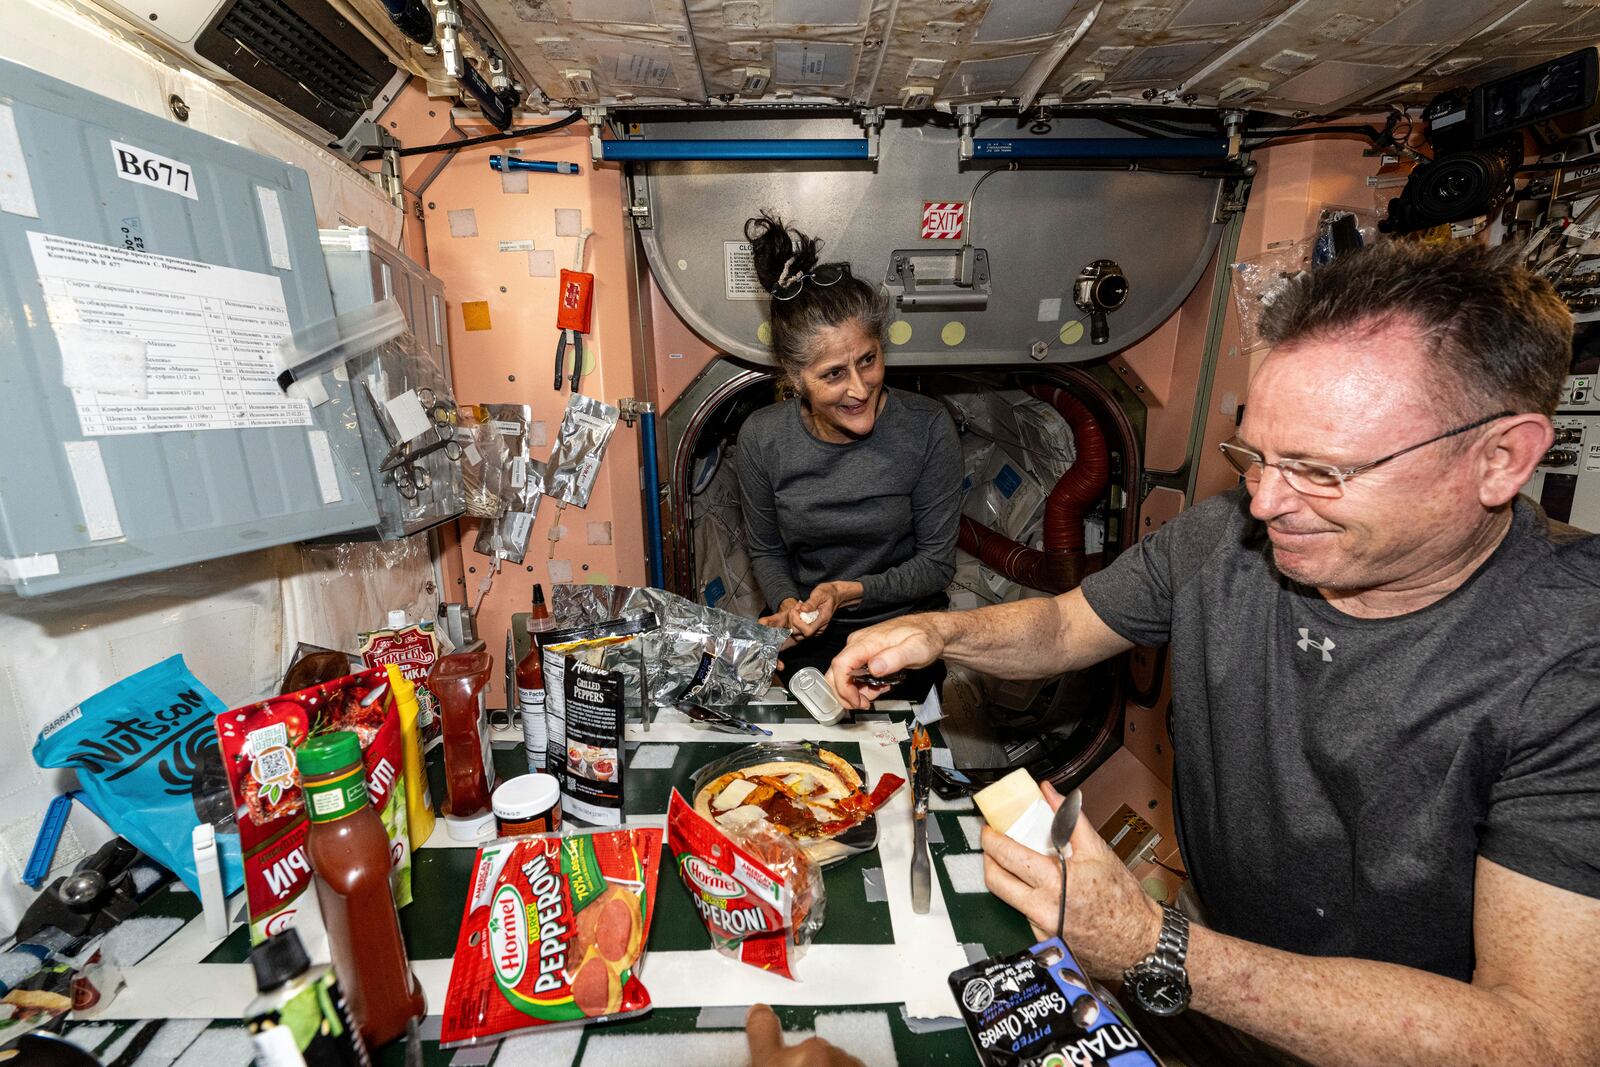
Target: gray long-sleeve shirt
(882, 511)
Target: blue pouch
(146, 754)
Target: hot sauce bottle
(530, 685)
(349, 852)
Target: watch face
(1160, 993)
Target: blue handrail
(751, 148)
(654, 550)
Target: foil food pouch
(258, 745)
(696, 655)
(554, 932)
(585, 428)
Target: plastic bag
(485, 459)
(554, 932)
(149, 765)
(507, 536)
(760, 896)
(696, 654)
(1257, 282)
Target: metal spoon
(1061, 827)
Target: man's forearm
(1022, 640)
(1341, 1011)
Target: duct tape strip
(16, 187)
(872, 885)
(272, 222)
(327, 473)
(722, 1017)
(25, 567)
(94, 490)
(934, 1025)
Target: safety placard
(943, 220)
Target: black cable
(526, 131)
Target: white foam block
(972, 828)
(654, 757)
(551, 1048)
(136, 938)
(15, 966)
(90, 1038)
(863, 1034)
(219, 1047)
(176, 1036)
(939, 803)
(673, 1050)
(966, 872)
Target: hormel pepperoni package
(554, 932)
(258, 743)
(758, 893)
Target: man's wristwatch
(1159, 982)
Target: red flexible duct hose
(1060, 566)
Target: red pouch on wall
(577, 297)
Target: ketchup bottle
(530, 685)
(349, 852)
(460, 682)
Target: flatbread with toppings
(808, 801)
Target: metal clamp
(630, 408)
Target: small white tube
(209, 869)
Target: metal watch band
(1172, 947)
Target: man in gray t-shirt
(1386, 692)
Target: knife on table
(921, 779)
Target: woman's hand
(812, 615)
(1111, 922)
(782, 619)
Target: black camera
(1477, 146)
(1101, 287)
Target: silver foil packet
(696, 655)
(523, 485)
(585, 428)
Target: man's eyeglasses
(1324, 479)
(824, 276)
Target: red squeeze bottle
(349, 852)
(460, 682)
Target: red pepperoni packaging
(554, 932)
(758, 893)
(258, 745)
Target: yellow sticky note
(475, 314)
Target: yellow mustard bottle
(419, 805)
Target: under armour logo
(1325, 646)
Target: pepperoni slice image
(612, 926)
(596, 989)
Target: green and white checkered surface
(874, 982)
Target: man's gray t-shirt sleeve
(1545, 806)
(936, 519)
(1134, 596)
(768, 555)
